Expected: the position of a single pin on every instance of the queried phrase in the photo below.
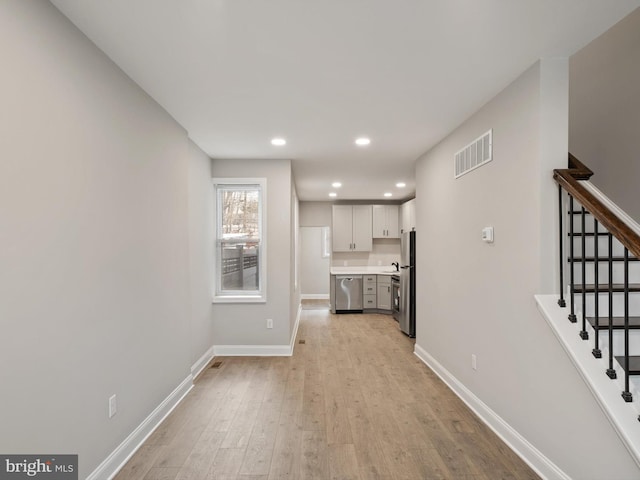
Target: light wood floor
(353, 402)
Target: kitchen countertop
(365, 270)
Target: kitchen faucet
(396, 264)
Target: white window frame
(241, 296)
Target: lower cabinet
(383, 292)
(369, 302)
(369, 297)
(376, 293)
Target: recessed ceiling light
(333, 194)
(388, 194)
(278, 142)
(336, 184)
(401, 184)
(362, 141)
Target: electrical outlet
(113, 406)
(269, 323)
(474, 361)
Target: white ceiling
(236, 73)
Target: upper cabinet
(408, 216)
(352, 228)
(386, 221)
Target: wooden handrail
(570, 178)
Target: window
(240, 250)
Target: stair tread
(634, 363)
(604, 288)
(603, 259)
(618, 322)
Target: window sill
(239, 299)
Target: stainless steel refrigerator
(407, 317)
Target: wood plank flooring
(353, 402)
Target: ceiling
(320, 73)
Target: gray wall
(605, 111)
(476, 298)
(201, 225)
(95, 231)
(295, 288)
(315, 214)
(314, 267)
(245, 324)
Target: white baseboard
(252, 350)
(202, 363)
(314, 296)
(525, 450)
(121, 455)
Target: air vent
(474, 155)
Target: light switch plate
(487, 234)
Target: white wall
(383, 252)
(605, 111)
(201, 226)
(475, 298)
(94, 228)
(245, 324)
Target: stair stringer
(622, 415)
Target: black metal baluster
(572, 315)
(628, 397)
(596, 273)
(561, 301)
(611, 373)
(584, 335)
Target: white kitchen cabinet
(386, 221)
(342, 228)
(369, 292)
(408, 215)
(369, 302)
(384, 292)
(352, 228)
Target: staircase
(600, 276)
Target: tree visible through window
(239, 245)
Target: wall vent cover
(474, 155)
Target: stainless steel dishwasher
(348, 293)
